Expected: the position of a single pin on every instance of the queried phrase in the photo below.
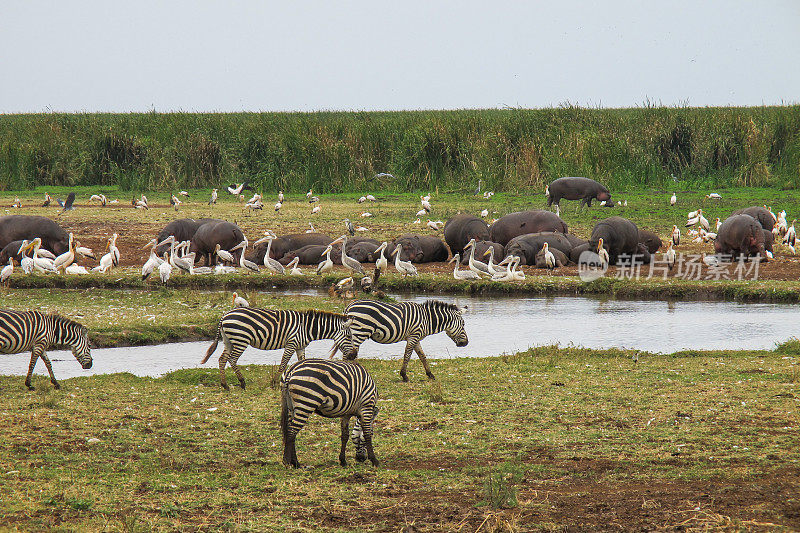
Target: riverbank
(550, 438)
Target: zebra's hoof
(431, 376)
(30, 387)
(56, 385)
(404, 378)
(226, 387)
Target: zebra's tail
(211, 348)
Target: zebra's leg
(366, 428)
(410, 344)
(223, 361)
(345, 437)
(287, 355)
(301, 353)
(37, 350)
(49, 366)
(234, 357)
(424, 360)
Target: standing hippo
(420, 248)
(650, 240)
(183, 229)
(582, 189)
(740, 235)
(20, 227)
(762, 214)
(620, 237)
(523, 222)
(461, 229)
(527, 246)
(207, 236)
(288, 243)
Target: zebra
(334, 389)
(387, 323)
(269, 329)
(37, 331)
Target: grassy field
(510, 149)
(552, 440)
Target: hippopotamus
(650, 240)
(287, 243)
(420, 248)
(11, 250)
(183, 229)
(362, 251)
(480, 251)
(762, 214)
(574, 240)
(20, 227)
(461, 229)
(620, 237)
(312, 254)
(527, 246)
(205, 240)
(575, 253)
(574, 188)
(769, 241)
(523, 222)
(740, 234)
(561, 258)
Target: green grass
(548, 439)
(509, 149)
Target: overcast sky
(338, 55)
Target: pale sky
(340, 55)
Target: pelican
(673, 199)
(271, 264)
(713, 196)
(99, 198)
(112, 248)
(311, 228)
(476, 266)
(84, 251)
(66, 259)
(237, 188)
(327, 265)
(676, 235)
(174, 202)
(245, 264)
(238, 301)
(404, 267)
(550, 259)
(76, 270)
(601, 251)
(47, 200)
(669, 255)
(153, 261)
(292, 268)
(511, 273)
(164, 269)
(42, 264)
(347, 261)
(698, 217)
(25, 262)
(435, 226)
(484, 213)
(224, 255)
(213, 200)
(381, 263)
(47, 254)
(280, 197)
(491, 265)
(106, 262)
(426, 205)
(182, 263)
(349, 225)
(462, 274)
(5, 274)
(370, 198)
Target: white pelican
(404, 267)
(462, 274)
(316, 209)
(106, 262)
(484, 213)
(347, 261)
(280, 197)
(713, 196)
(271, 264)
(222, 269)
(245, 264)
(292, 268)
(601, 251)
(238, 301)
(669, 255)
(47, 254)
(5, 274)
(42, 264)
(25, 262)
(213, 200)
(550, 259)
(370, 198)
(491, 265)
(76, 270)
(476, 266)
(152, 262)
(84, 251)
(676, 235)
(66, 259)
(673, 199)
(327, 265)
(381, 263)
(184, 264)
(164, 269)
(511, 273)
(224, 255)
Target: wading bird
(381, 263)
(311, 228)
(316, 210)
(426, 205)
(309, 194)
(47, 200)
(278, 207)
(244, 264)
(66, 259)
(601, 252)
(673, 199)
(112, 248)
(174, 202)
(153, 262)
(549, 258)
(76, 270)
(349, 225)
(676, 235)
(67, 206)
(280, 197)
(17, 203)
(366, 214)
(713, 196)
(224, 255)
(214, 195)
(25, 262)
(491, 265)
(164, 269)
(327, 264)
(5, 274)
(347, 261)
(478, 190)
(237, 188)
(462, 274)
(485, 213)
(362, 199)
(511, 273)
(292, 267)
(370, 198)
(404, 267)
(99, 198)
(184, 193)
(313, 199)
(669, 256)
(476, 266)
(271, 264)
(238, 301)
(435, 225)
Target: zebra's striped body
(333, 389)
(270, 329)
(387, 323)
(36, 331)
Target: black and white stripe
(36, 331)
(387, 323)
(334, 389)
(270, 329)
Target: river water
(497, 325)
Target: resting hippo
(420, 248)
(287, 243)
(480, 251)
(762, 214)
(582, 189)
(740, 234)
(527, 246)
(524, 222)
(312, 255)
(362, 251)
(10, 250)
(620, 237)
(561, 258)
(575, 253)
(20, 227)
(651, 241)
(208, 235)
(183, 229)
(461, 229)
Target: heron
(271, 264)
(238, 301)
(349, 225)
(478, 190)
(476, 266)
(68, 205)
(347, 261)
(462, 274)
(327, 264)
(404, 267)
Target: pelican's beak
(507, 260)
(262, 239)
(237, 246)
(396, 248)
(152, 242)
(337, 241)
(168, 240)
(452, 259)
(487, 252)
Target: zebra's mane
(317, 312)
(439, 305)
(64, 321)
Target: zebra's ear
(463, 309)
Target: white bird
(256, 198)
(769, 254)
(713, 196)
(213, 200)
(112, 248)
(5, 274)
(271, 264)
(244, 264)
(280, 197)
(404, 267)
(76, 270)
(327, 264)
(224, 255)
(184, 193)
(309, 194)
(47, 254)
(601, 252)
(84, 251)
(366, 214)
(426, 205)
(25, 262)
(484, 213)
(476, 266)
(362, 199)
(47, 200)
(673, 199)
(692, 214)
(152, 262)
(791, 235)
(381, 263)
(174, 202)
(462, 274)
(115, 201)
(703, 221)
(493, 268)
(362, 228)
(421, 213)
(676, 235)
(238, 301)
(278, 206)
(316, 210)
(370, 198)
(711, 260)
(426, 198)
(292, 268)
(185, 264)
(99, 198)
(106, 262)
(313, 199)
(138, 204)
(66, 259)
(164, 269)
(222, 269)
(549, 258)
(718, 224)
(252, 206)
(418, 221)
(510, 274)
(236, 188)
(625, 203)
(347, 261)
(17, 203)
(311, 228)
(669, 255)
(42, 264)
(436, 226)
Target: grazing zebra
(388, 323)
(36, 331)
(269, 329)
(334, 389)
